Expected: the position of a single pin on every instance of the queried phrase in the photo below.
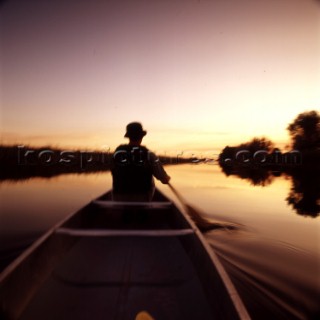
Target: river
(273, 256)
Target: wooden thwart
(130, 204)
(123, 233)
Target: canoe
(116, 260)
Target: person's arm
(157, 169)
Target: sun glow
(198, 75)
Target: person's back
(132, 171)
(134, 167)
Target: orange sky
(198, 74)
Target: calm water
(273, 258)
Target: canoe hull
(168, 270)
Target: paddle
(202, 223)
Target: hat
(135, 131)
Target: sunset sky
(199, 74)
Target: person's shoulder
(122, 147)
(127, 147)
(144, 148)
(152, 156)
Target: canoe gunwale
(233, 293)
(27, 252)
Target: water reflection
(304, 195)
(256, 176)
(30, 207)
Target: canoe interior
(66, 277)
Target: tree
(305, 131)
(248, 153)
(257, 144)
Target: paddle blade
(204, 224)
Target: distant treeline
(259, 162)
(22, 162)
(262, 153)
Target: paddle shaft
(177, 194)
